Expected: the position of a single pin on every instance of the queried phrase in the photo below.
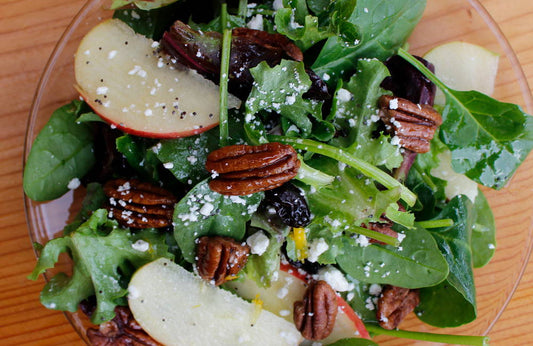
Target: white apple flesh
(289, 287)
(176, 307)
(131, 85)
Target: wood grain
(29, 30)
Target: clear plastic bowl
(443, 21)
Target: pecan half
(315, 316)
(219, 259)
(137, 204)
(246, 169)
(394, 304)
(413, 124)
(122, 330)
(384, 227)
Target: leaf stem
(387, 239)
(342, 156)
(243, 9)
(224, 76)
(422, 68)
(442, 338)
(435, 223)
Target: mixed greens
(352, 172)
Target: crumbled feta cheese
(206, 209)
(140, 245)
(258, 243)
(74, 183)
(374, 289)
(344, 95)
(112, 54)
(316, 248)
(393, 104)
(335, 279)
(101, 90)
(256, 22)
(168, 165)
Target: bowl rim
(525, 91)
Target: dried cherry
(290, 204)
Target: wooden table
(29, 30)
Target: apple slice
(290, 287)
(130, 84)
(176, 307)
(464, 66)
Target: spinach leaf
(150, 22)
(185, 157)
(459, 288)
(94, 199)
(363, 302)
(384, 26)
(355, 111)
(62, 151)
(488, 139)
(102, 253)
(205, 212)
(483, 232)
(416, 263)
(140, 156)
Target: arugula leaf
(488, 139)
(280, 89)
(416, 263)
(103, 255)
(384, 26)
(205, 212)
(295, 22)
(350, 199)
(62, 151)
(483, 232)
(458, 289)
(355, 110)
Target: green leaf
(185, 157)
(150, 22)
(94, 199)
(280, 89)
(355, 111)
(384, 26)
(62, 151)
(458, 290)
(416, 263)
(205, 212)
(103, 255)
(354, 342)
(483, 232)
(140, 156)
(350, 199)
(488, 139)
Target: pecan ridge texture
(315, 315)
(394, 304)
(246, 169)
(137, 204)
(219, 259)
(413, 124)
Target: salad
(280, 162)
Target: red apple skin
(129, 130)
(345, 307)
